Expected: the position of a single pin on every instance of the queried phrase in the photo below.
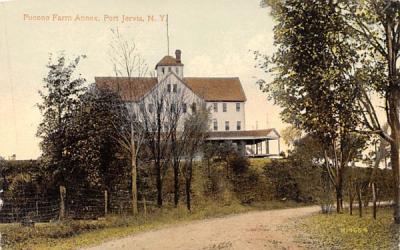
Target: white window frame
(227, 126)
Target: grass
(343, 231)
(259, 163)
(77, 234)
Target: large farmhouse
(223, 96)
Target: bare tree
(177, 138)
(196, 127)
(161, 115)
(126, 61)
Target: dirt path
(254, 230)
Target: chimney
(178, 55)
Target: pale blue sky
(215, 37)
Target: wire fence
(75, 203)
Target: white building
(223, 96)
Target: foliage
(290, 134)
(248, 184)
(311, 79)
(91, 143)
(290, 182)
(59, 99)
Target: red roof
(129, 88)
(168, 61)
(217, 88)
(209, 88)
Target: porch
(251, 143)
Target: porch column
(279, 145)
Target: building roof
(244, 134)
(129, 88)
(168, 61)
(208, 88)
(217, 88)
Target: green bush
(294, 181)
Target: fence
(68, 202)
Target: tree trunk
(339, 191)
(188, 178)
(176, 184)
(351, 200)
(374, 199)
(159, 185)
(395, 168)
(360, 203)
(134, 182)
(393, 114)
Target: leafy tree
(290, 135)
(91, 139)
(374, 25)
(312, 67)
(60, 98)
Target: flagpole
(167, 37)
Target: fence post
(145, 208)
(62, 202)
(105, 202)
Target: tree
(59, 99)
(162, 123)
(290, 135)
(375, 26)
(312, 67)
(91, 136)
(126, 61)
(177, 143)
(195, 129)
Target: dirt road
(254, 230)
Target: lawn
(76, 234)
(342, 231)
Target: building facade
(224, 97)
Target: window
(227, 125)
(239, 125)
(163, 70)
(238, 107)
(177, 70)
(174, 88)
(184, 108)
(224, 107)
(141, 107)
(168, 88)
(215, 125)
(215, 106)
(169, 69)
(172, 108)
(151, 108)
(194, 107)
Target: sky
(216, 38)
